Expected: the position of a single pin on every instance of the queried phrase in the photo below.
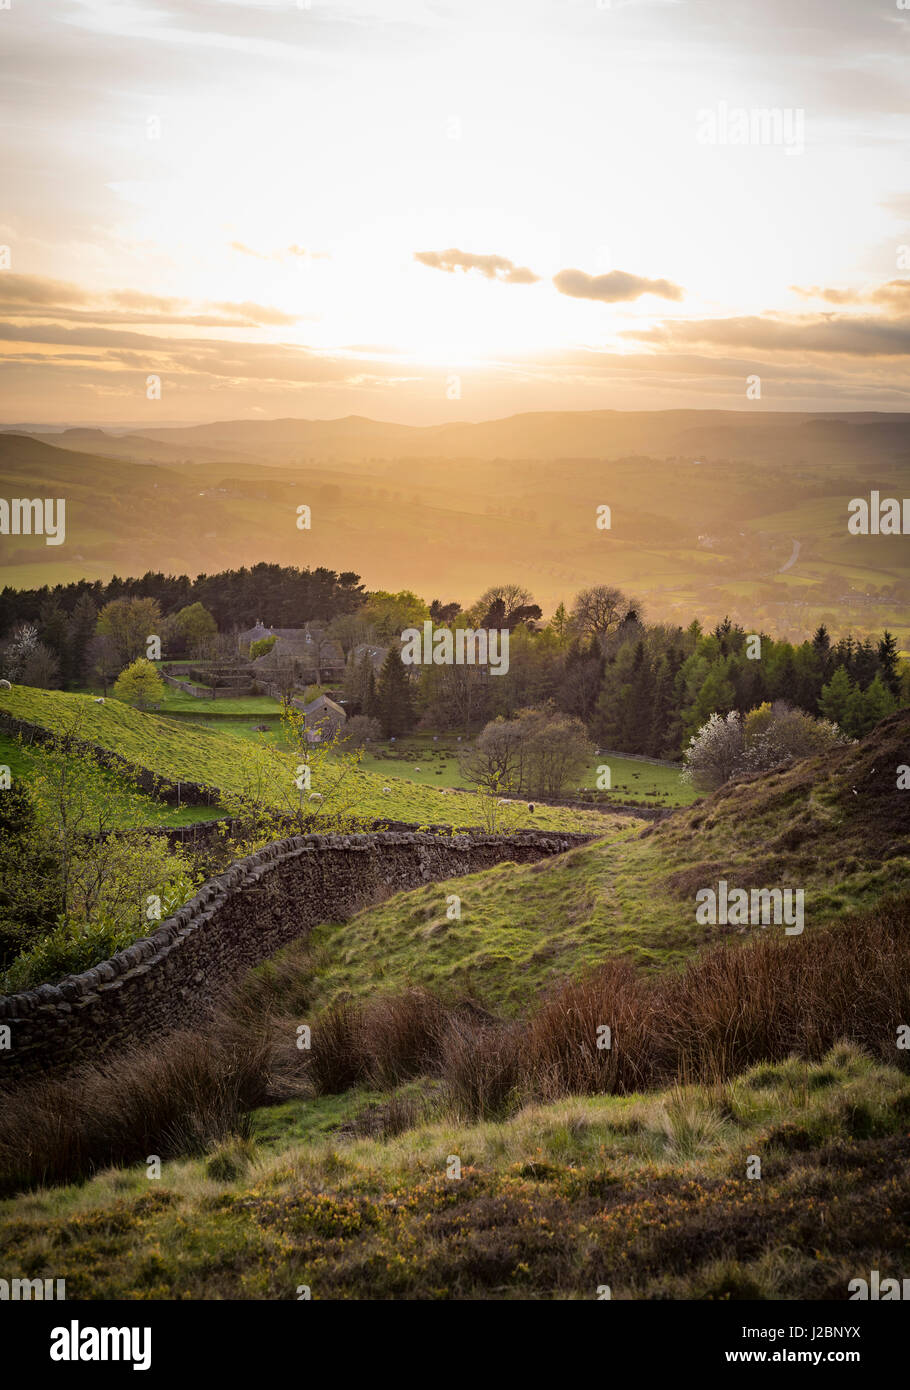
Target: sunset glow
(235, 195)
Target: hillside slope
(647, 1195)
(836, 827)
(562, 434)
(182, 751)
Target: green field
(632, 779)
(178, 702)
(187, 751)
(122, 811)
(433, 762)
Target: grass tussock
(185, 1095)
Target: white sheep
(5, 685)
(387, 789)
(315, 796)
(99, 699)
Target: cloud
(39, 291)
(851, 334)
(255, 313)
(613, 288)
(139, 299)
(33, 296)
(282, 255)
(894, 294)
(247, 250)
(490, 267)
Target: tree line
(635, 687)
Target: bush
(189, 1092)
(262, 647)
(714, 752)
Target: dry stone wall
(142, 778)
(173, 978)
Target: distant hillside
(712, 512)
(785, 436)
(133, 448)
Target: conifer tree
(394, 707)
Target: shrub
(193, 1090)
(262, 647)
(768, 736)
(140, 685)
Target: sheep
(387, 789)
(5, 685)
(99, 699)
(315, 796)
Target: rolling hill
(836, 827)
(711, 512)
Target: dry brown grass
(731, 1007)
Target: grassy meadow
(212, 754)
(432, 761)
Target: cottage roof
(322, 704)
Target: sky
(424, 212)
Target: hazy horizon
(145, 426)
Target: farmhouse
(323, 718)
(305, 650)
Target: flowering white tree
(767, 737)
(778, 733)
(714, 752)
(17, 651)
